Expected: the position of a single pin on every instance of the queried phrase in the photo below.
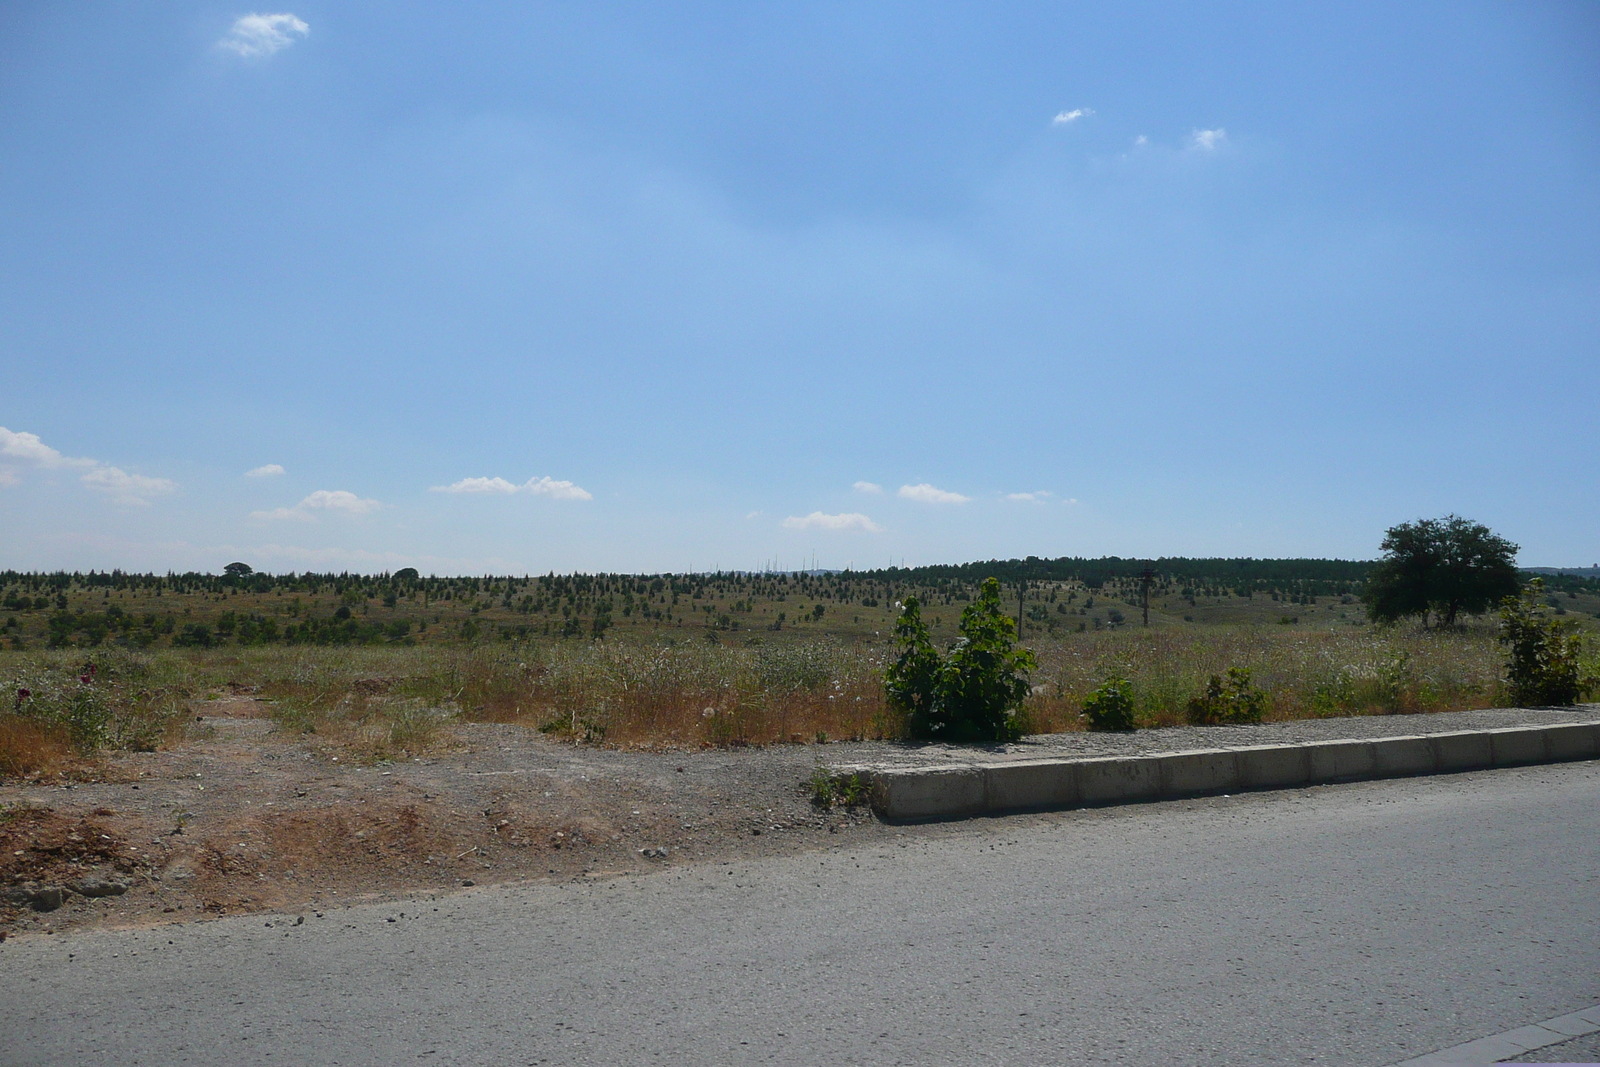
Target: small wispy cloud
(867, 487)
(1208, 140)
(127, 488)
(116, 483)
(323, 500)
(1141, 140)
(931, 494)
(1066, 118)
(270, 470)
(818, 521)
(559, 490)
(262, 35)
(1038, 496)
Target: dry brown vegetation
(394, 702)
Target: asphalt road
(1354, 924)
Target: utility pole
(1146, 576)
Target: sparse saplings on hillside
(1439, 569)
(975, 693)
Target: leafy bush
(975, 693)
(1543, 664)
(1110, 706)
(1229, 702)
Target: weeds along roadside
(627, 695)
(65, 706)
(1305, 674)
(389, 702)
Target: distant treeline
(1314, 577)
(1240, 577)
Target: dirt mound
(45, 855)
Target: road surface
(1354, 924)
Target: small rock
(468, 881)
(653, 853)
(48, 898)
(97, 886)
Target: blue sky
(521, 287)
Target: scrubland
(386, 701)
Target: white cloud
(1038, 496)
(126, 488)
(121, 486)
(867, 487)
(1066, 118)
(1208, 140)
(559, 490)
(930, 494)
(9, 477)
(1141, 140)
(268, 471)
(27, 446)
(818, 521)
(477, 485)
(262, 35)
(336, 500)
(538, 486)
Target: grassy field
(382, 667)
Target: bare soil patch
(243, 816)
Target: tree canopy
(1439, 569)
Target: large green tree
(1440, 569)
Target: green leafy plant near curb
(848, 790)
(1110, 705)
(1544, 655)
(973, 694)
(1228, 702)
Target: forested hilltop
(1053, 596)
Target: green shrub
(1110, 706)
(1229, 702)
(1543, 661)
(850, 790)
(975, 693)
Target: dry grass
(28, 748)
(389, 702)
(1306, 674)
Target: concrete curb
(960, 791)
(1523, 1039)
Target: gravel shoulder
(245, 818)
